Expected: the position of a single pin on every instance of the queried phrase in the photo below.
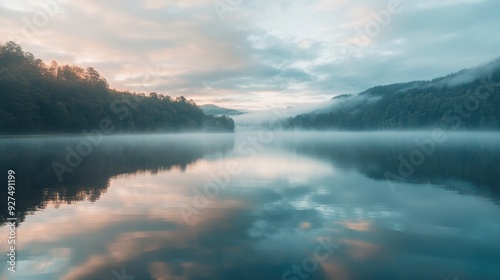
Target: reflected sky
(289, 199)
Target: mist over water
(397, 205)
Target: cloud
(302, 51)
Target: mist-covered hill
(468, 99)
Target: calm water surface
(256, 206)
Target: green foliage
(40, 98)
(414, 105)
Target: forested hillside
(469, 99)
(40, 98)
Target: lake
(255, 205)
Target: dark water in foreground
(276, 206)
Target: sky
(254, 55)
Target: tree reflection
(463, 158)
(37, 183)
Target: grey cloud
(256, 49)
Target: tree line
(473, 104)
(50, 98)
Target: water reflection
(463, 162)
(37, 182)
(274, 214)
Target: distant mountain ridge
(468, 99)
